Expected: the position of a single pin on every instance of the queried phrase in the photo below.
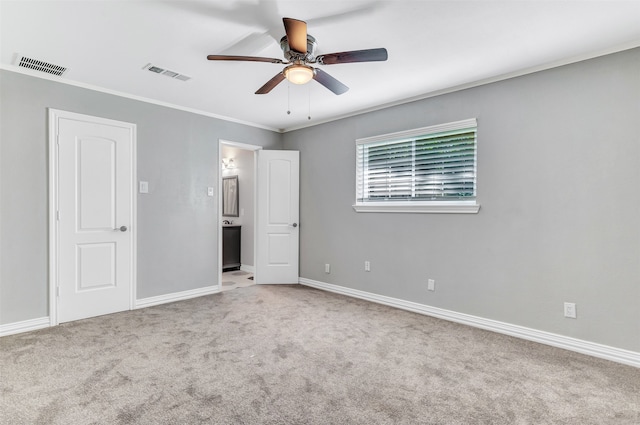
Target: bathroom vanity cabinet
(231, 247)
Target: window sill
(420, 208)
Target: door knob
(122, 228)
(294, 225)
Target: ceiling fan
(299, 51)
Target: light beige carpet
(295, 355)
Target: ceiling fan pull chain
(288, 98)
(309, 116)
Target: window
(430, 169)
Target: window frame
(456, 206)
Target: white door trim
(247, 147)
(54, 116)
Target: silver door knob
(122, 228)
(294, 225)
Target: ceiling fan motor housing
(293, 56)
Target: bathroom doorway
(237, 208)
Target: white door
(277, 216)
(95, 215)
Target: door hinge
(58, 215)
(58, 291)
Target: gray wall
(244, 169)
(558, 174)
(177, 222)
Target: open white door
(93, 172)
(277, 216)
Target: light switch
(209, 191)
(144, 187)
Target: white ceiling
(433, 46)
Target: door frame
(254, 149)
(54, 116)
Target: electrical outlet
(210, 191)
(144, 187)
(570, 310)
(431, 285)
(367, 266)
(327, 268)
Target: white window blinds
(428, 164)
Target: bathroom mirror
(230, 196)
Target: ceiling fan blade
(271, 84)
(329, 82)
(296, 34)
(369, 55)
(242, 58)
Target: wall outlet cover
(570, 310)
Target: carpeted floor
(296, 355)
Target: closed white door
(277, 213)
(94, 217)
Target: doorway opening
(237, 214)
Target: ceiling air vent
(166, 72)
(38, 65)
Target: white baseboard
(176, 296)
(44, 322)
(24, 326)
(247, 268)
(619, 355)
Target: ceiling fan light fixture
(298, 74)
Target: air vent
(156, 69)
(167, 73)
(39, 65)
(170, 74)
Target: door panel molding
(55, 117)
